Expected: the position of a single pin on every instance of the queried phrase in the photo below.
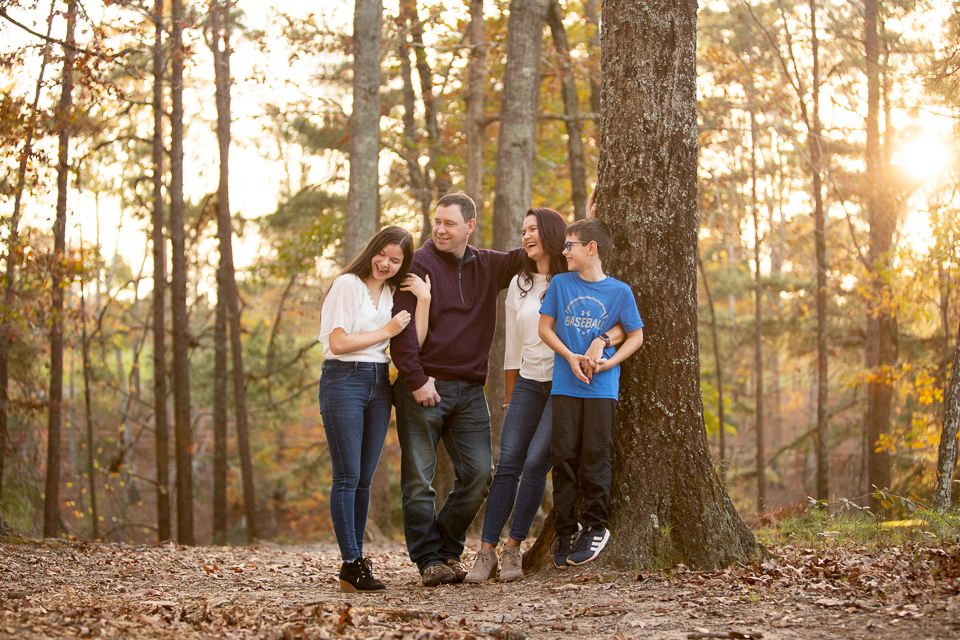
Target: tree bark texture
(363, 217)
(667, 502)
(161, 435)
(571, 108)
(820, 240)
(947, 452)
(183, 429)
(881, 350)
(593, 25)
(473, 175)
(13, 255)
(515, 153)
(221, 57)
(51, 507)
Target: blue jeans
(462, 420)
(355, 407)
(525, 459)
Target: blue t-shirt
(583, 310)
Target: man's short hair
(467, 207)
(592, 230)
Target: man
(439, 392)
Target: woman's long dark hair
(360, 266)
(551, 226)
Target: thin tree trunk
(220, 410)
(51, 509)
(419, 177)
(225, 233)
(820, 239)
(716, 356)
(12, 257)
(363, 216)
(881, 347)
(160, 431)
(758, 309)
(666, 503)
(183, 429)
(515, 153)
(590, 17)
(88, 421)
(473, 176)
(947, 451)
(571, 108)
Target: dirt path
(68, 590)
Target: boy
(579, 307)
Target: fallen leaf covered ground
(75, 590)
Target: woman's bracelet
(506, 404)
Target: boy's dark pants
(582, 441)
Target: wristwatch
(606, 339)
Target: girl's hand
(577, 364)
(592, 204)
(398, 323)
(415, 285)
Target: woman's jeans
(525, 459)
(355, 399)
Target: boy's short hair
(467, 206)
(592, 230)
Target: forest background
(783, 115)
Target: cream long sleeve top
(524, 348)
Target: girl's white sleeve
(513, 351)
(340, 307)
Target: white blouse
(524, 349)
(348, 306)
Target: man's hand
(578, 363)
(427, 394)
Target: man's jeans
(462, 420)
(355, 407)
(525, 459)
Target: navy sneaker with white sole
(562, 546)
(588, 547)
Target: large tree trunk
(474, 124)
(571, 108)
(363, 216)
(51, 507)
(161, 436)
(183, 430)
(515, 153)
(667, 502)
(881, 350)
(819, 234)
(947, 452)
(13, 242)
(225, 234)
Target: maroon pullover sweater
(463, 314)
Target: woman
(355, 394)
(525, 457)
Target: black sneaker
(358, 576)
(588, 547)
(562, 546)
